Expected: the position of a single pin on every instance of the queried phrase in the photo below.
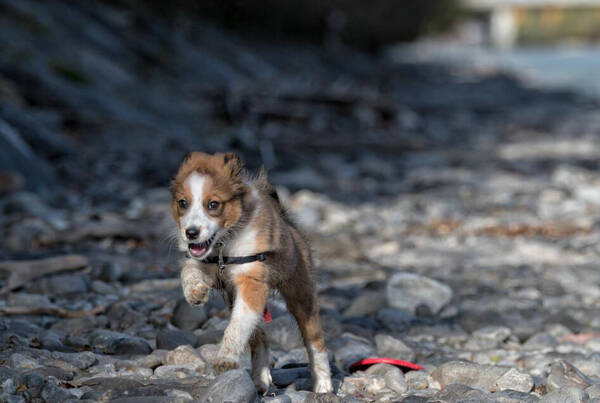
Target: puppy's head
(207, 200)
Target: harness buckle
(221, 262)
(261, 257)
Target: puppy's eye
(183, 203)
(213, 205)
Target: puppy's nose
(192, 233)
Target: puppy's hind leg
(261, 374)
(305, 310)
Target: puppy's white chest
(243, 244)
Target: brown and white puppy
(217, 207)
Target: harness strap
(223, 261)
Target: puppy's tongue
(197, 249)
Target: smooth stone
(495, 333)
(515, 380)
(168, 339)
(121, 316)
(409, 290)
(396, 320)
(153, 360)
(283, 333)
(417, 380)
(6, 398)
(183, 355)
(593, 391)
(103, 288)
(35, 384)
(82, 360)
(347, 349)
(209, 352)
(147, 399)
(540, 341)
(25, 299)
(110, 342)
(587, 366)
(179, 371)
(564, 375)
(301, 384)
(379, 369)
(22, 362)
(293, 356)
(55, 372)
(61, 284)
(289, 397)
(391, 347)
(514, 396)
(210, 336)
(468, 373)
(284, 377)
(139, 372)
(362, 383)
(6, 373)
(235, 386)
(394, 380)
(462, 393)
(368, 303)
(565, 395)
(52, 340)
(322, 398)
(76, 326)
(52, 393)
(111, 389)
(188, 317)
(180, 395)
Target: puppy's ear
(234, 165)
(173, 187)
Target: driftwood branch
(20, 272)
(49, 310)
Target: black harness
(223, 261)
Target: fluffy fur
(216, 206)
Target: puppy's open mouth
(198, 250)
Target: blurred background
(452, 140)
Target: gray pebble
(188, 317)
(391, 347)
(168, 339)
(110, 342)
(565, 395)
(183, 355)
(231, 386)
(456, 392)
(564, 375)
(409, 290)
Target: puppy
(239, 239)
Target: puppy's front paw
(196, 294)
(224, 364)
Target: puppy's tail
(262, 183)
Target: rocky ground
(452, 214)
